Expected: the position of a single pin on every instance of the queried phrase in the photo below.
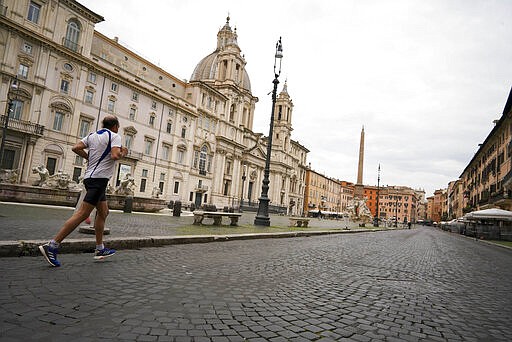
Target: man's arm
(118, 152)
(79, 149)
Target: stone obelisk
(359, 187)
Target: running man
(104, 148)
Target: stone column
(27, 163)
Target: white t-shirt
(100, 164)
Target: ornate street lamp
(262, 217)
(244, 177)
(14, 86)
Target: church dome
(207, 68)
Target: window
(153, 105)
(27, 48)
(226, 187)
(64, 86)
(89, 95)
(169, 127)
(180, 157)
(77, 172)
(132, 113)
(165, 152)
(91, 77)
(142, 185)
(183, 132)
(33, 12)
(191, 196)
(228, 167)
(17, 109)
(176, 187)
(202, 160)
(68, 67)
(111, 105)
(23, 71)
(209, 165)
(148, 146)
(58, 120)
(79, 160)
(51, 165)
(113, 87)
(144, 173)
(85, 127)
(196, 159)
(151, 120)
(128, 141)
(232, 113)
(72, 35)
(135, 96)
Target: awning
(492, 214)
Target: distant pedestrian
(409, 224)
(104, 148)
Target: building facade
(486, 182)
(399, 204)
(322, 193)
(191, 141)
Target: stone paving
(421, 284)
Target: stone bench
(217, 216)
(299, 221)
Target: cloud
(425, 78)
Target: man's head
(111, 122)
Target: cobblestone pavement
(404, 285)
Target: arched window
(72, 35)
(202, 159)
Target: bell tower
(283, 119)
(230, 63)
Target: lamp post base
(262, 218)
(262, 221)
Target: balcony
(71, 45)
(201, 188)
(134, 155)
(26, 127)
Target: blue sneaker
(50, 254)
(104, 253)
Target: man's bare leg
(78, 217)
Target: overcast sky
(425, 78)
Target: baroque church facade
(192, 141)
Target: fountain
(59, 189)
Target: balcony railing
(71, 45)
(201, 188)
(134, 155)
(22, 126)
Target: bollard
(177, 209)
(128, 204)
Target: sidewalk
(24, 226)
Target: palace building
(191, 140)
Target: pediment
(130, 130)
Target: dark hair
(110, 121)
